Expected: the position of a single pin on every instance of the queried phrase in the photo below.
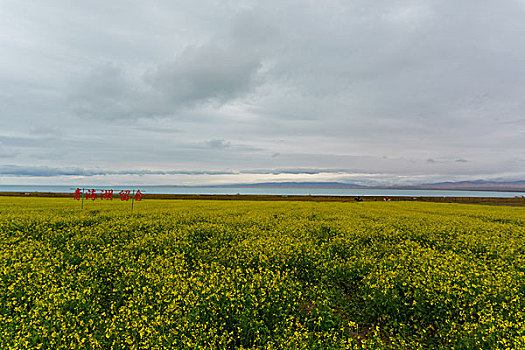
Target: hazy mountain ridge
(461, 185)
(478, 184)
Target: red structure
(125, 195)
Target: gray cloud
(217, 144)
(201, 75)
(216, 72)
(14, 170)
(5, 153)
(109, 92)
(287, 88)
(44, 171)
(355, 176)
(207, 73)
(305, 171)
(45, 131)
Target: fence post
(132, 200)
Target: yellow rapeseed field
(271, 275)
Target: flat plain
(260, 274)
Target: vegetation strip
(509, 201)
(245, 274)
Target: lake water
(269, 191)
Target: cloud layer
(419, 89)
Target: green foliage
(273, 275)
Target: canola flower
(250, 275)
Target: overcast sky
(197, 92)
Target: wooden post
(132, 200)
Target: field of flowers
(274, 275)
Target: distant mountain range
(296, 185)
(462, 185)
(477, 185)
